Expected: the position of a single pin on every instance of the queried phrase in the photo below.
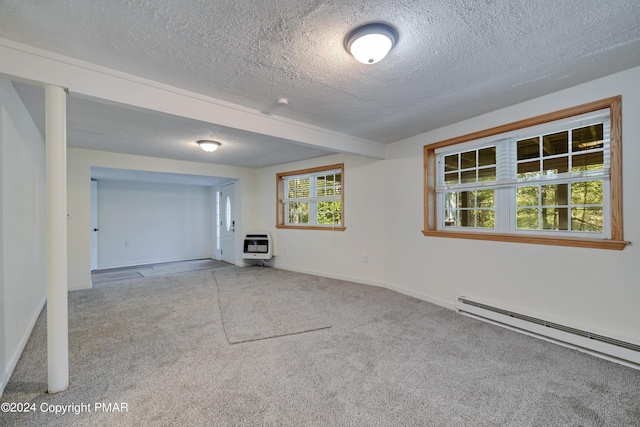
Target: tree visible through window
(311, 198)
(553, 179)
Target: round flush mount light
(208, 145)
(371, 42)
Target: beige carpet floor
(158, 344)
(268, 306)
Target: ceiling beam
(26, 63)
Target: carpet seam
(253, 339)
(278, 336)
(224, 329)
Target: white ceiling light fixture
(371, 42)
(208, 145)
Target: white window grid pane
(310, 182)
(570, 154)
(569, 205)
(507, 181)
(295, 211)
(460, 171)
(453, 211)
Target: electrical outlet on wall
(365, 258)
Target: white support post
(56, 195)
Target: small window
(553, 179)
(311, 198)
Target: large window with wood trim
(311, 198)
(552, 179)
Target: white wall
(79, 163)
(335, 254)
(592, 289)
(144, 223)
(22, 228)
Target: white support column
(56, 195)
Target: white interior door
(228, 236)
(94, 225)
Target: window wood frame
(616, 242)
(280, 204)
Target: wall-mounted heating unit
(613, 349)
(257, 245)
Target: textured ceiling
(117, 128)
(454, 59)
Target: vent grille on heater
(257, 248)
(586, 334)
(258, 245)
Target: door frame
(94, 224)
(228, 221)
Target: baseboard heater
(598, 345)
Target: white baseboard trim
(13, 360)
(421, 296)
(333, 276)
(418, 295)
